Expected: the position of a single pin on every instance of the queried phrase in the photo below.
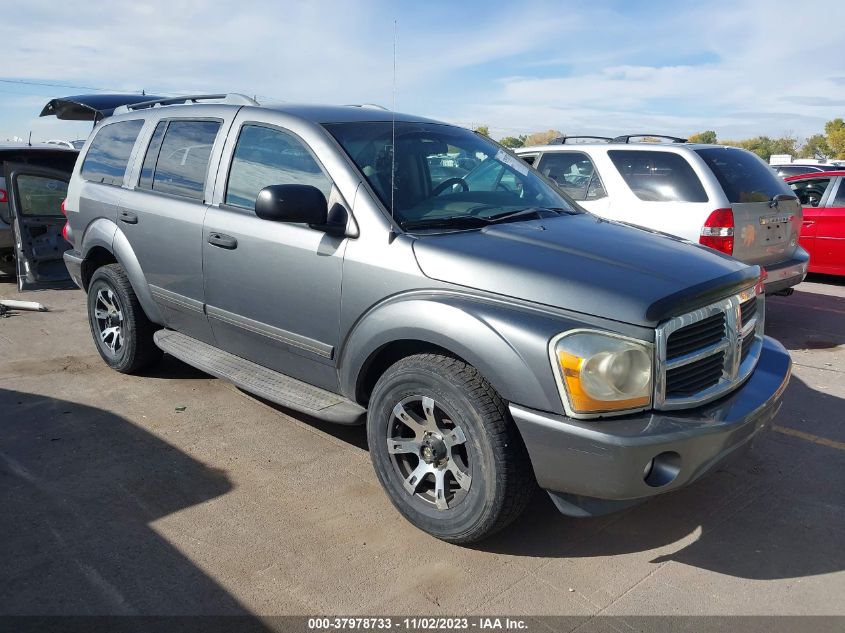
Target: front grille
(704, 354)
(693, 337)
(688, 380)
(748, 309)
(747, 342)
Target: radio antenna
(393, 128)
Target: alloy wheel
(429, 452)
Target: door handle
(808, 222)
(223, 241)
(128, 217)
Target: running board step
(263, 382)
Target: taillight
(4, 197)
(718, 231)
(67, 224)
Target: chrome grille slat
(706, 353)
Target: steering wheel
(449, 182)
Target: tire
(129, 348)
(417, 462)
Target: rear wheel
(445, 450)
(122, 333)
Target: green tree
(707, 136)
(765, 146)
(484, 130)
(542, 138)
(835, 131)
(513, 141)
(814, 147)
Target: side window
(265, 156)
(659, 176)
(177, 158)
(528, 158)
(150, 158)
(108, 156)
(573, 172)
(810, 192)
(41, 195)
(839, 200)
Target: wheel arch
(104, 243)
(462, 328)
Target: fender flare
(104, 233)
(479, 332)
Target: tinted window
(839, 200)
(794, 170)
(263, 157)
(41, 195)
(659, 176)
(108, 155)
(574, 172)
(148, 168)
(742, 175)
(182, 162)
(810, 192)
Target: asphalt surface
(176, 493)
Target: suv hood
(588, 265)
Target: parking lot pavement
(175, 493)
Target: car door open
(35, 198)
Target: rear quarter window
(658, 176)
(742, 175)
(108, 156)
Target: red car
(822, 196)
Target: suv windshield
(446, 176)
(743, 176)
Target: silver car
(490, 334)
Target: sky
(742, 68)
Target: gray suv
(490, 333)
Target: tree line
(830, 145)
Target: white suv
(722, 197)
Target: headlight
(601, 373)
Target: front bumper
(595, 466)
(786, 274)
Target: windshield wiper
(448, 222)
(477, 221)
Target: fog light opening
(662, 470)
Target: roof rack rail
(627, 138)
(234, 98)
(563, 140)
(374, 106)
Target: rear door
(35, 197)
(830, 231)
(767, 214)
(812, 194)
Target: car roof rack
(374, 106)
(627, 138)
(233, 98)
(563, 140)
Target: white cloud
(740, 68)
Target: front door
(273, 289)
(35, 201)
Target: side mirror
(301, 204)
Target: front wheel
(445, 449)
(122, 332)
